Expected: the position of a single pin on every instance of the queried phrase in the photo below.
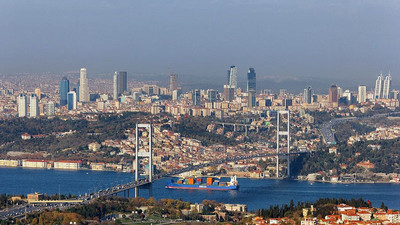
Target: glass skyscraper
(64, 89)
(251, 80)
(71, 99)
(308, 95)
(120, 83)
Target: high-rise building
(120, 83)
(83, 86)
(282, 92)
(50, 109)
(333, 94)
(196, 97)
(173, 82)
(38, 93)
(308, 95)
(22, 105)
(77, 90)
(362, 93)
(229, 93)
(71, 100)
(251, 80)
(212, 95)
(64, 89)
(33, 106)
(386, 86)
(232, 77)
(378, 87)
(251, 101)
(349, 97)
(176, 93)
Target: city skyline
(316, 52)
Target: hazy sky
(320, 40)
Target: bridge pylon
(282, 133)
(144, 154)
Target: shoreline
(57, 169)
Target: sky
(289, 43)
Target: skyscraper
(229, 93)
(386, 86)
(308, 95)
(22, 105)
(362, 93)
(71, 100)
(232, 77)
(378, 87)
(251, 101)
(120, 83)
(333, 94)
(173, 82)
(196, 97)
(84, 86)
(33, 106)
(251, 80)
(64, 89)
(212, 95)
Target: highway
(328, 133)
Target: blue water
(255, 193)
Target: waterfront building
(120, 83)
(378, 87)
(64, 89)
(308, 95)
(68, 165)
(71, 100)
(251, 80)
(333, 94)
(10, 163)
(362, 93)
(33, 106)
(34, 163)
(22, 105)
(386, 86)
(173, 82)
(83, 86)
(232, 77)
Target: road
(327, 128)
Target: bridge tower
(148, 154)
(282, 133)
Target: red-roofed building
(34, 163)
(366, 165)
(350, 216)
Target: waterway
(252, 192)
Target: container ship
(210, 184)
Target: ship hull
(200, 187)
